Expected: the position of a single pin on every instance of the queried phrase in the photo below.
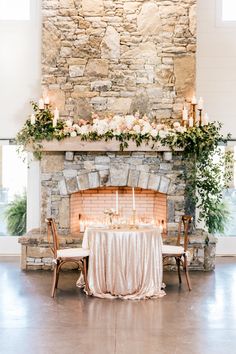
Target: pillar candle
(54, 122)
(194, 100)
(190, 122)
(46, 100)
(41, 103)
(56, 113)
(200, 103)
(32, 119)
(185, 113)
(205, 119)
(56, 117)
(133, 195)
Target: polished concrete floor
(199, 322)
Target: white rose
(83, 130)
(181, 129)
(73, 134)
(129, 121)
(176, 125)
(159, 126)
(137, 129)
(154, 133)
(147, 128)
(69, 123)
(163, 134)
(101, 127)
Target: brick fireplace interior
(89, 206)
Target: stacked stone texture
(64, 174)
(119, 56)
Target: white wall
(20, 69)
(9, 246)
(216, 65)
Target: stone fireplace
(77, 186)
(115, 57)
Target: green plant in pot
(15, 215)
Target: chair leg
(178, 268)
(55, 279)
(58, 272)
(85, 273)
(185, 266)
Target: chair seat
(169, 249)
(72, 253)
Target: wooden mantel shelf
(75, 144)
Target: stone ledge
(76, 144)
(37, 255)
(37, 239)
(202, 251)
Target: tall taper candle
(46, 100)
(133, 194)
(117, 203)
(200, 103)
(41, 103)
(32, 119)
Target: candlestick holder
(200, 116)
(194, 105)
(133, 224)
(184, 123)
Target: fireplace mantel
(76, 144)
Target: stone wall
(119, 56)
(65, 173)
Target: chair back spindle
(185, 221)
(51, 231)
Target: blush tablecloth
(124, 263)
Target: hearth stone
(37, 255)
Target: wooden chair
(61, 256)
(180, 252)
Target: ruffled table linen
(125, 263)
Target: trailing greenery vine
(208, 171)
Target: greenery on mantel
(208, 171)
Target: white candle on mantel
(41, 103)
(117, 203)
(81, 226)
(190, 122)
(205, 119)
(32, 119)
(194, 100)
(200, 103)
(56, 117)
(133, 194)
(185, 113)
(46, 100)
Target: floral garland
(42, 126)
(199, 144)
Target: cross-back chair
(180, 252)
(62, 256)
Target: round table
(124, 263)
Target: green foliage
(15, 215)
(208, 173)
(207, 170)
(34, 134)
